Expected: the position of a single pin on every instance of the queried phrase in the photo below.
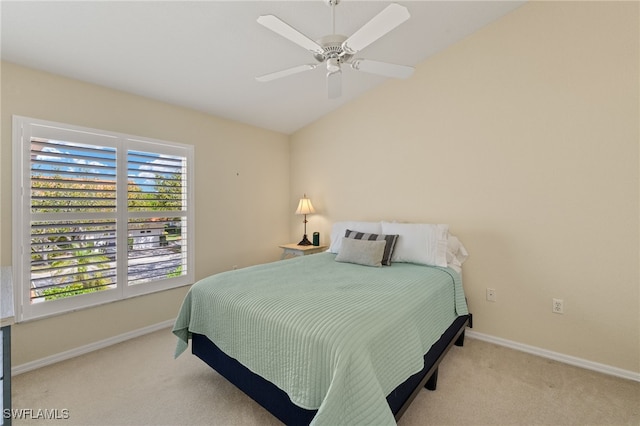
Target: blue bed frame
(277, 402)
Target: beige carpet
(139, 383)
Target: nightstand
(296, 250)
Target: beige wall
(524, 138)
(242, 201)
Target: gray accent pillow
(389, 239)
(361, 252)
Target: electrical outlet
(491, 294)
(558, 306)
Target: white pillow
(340, 228)
(421, 243)
(456, 253)
(362, 252)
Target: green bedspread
(336, 337)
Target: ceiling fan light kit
(336, 49)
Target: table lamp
(305, 207)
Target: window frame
(24, 129)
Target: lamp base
(305, 241)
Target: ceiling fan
(336, 50)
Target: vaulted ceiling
(205, 55)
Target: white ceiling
(205, 54)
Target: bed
(324, 341)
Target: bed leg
(460, 340)
(433, 381)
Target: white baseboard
(32, 365)
(567, 359)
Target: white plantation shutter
(101, 217)
(157, 225)
(72, 224)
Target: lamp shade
(305, 206)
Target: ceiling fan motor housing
(332, 48)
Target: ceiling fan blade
(334, 84)
(385, 21)
(286, 72)
(280, 27)
(382, 68)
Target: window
(98, 216)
